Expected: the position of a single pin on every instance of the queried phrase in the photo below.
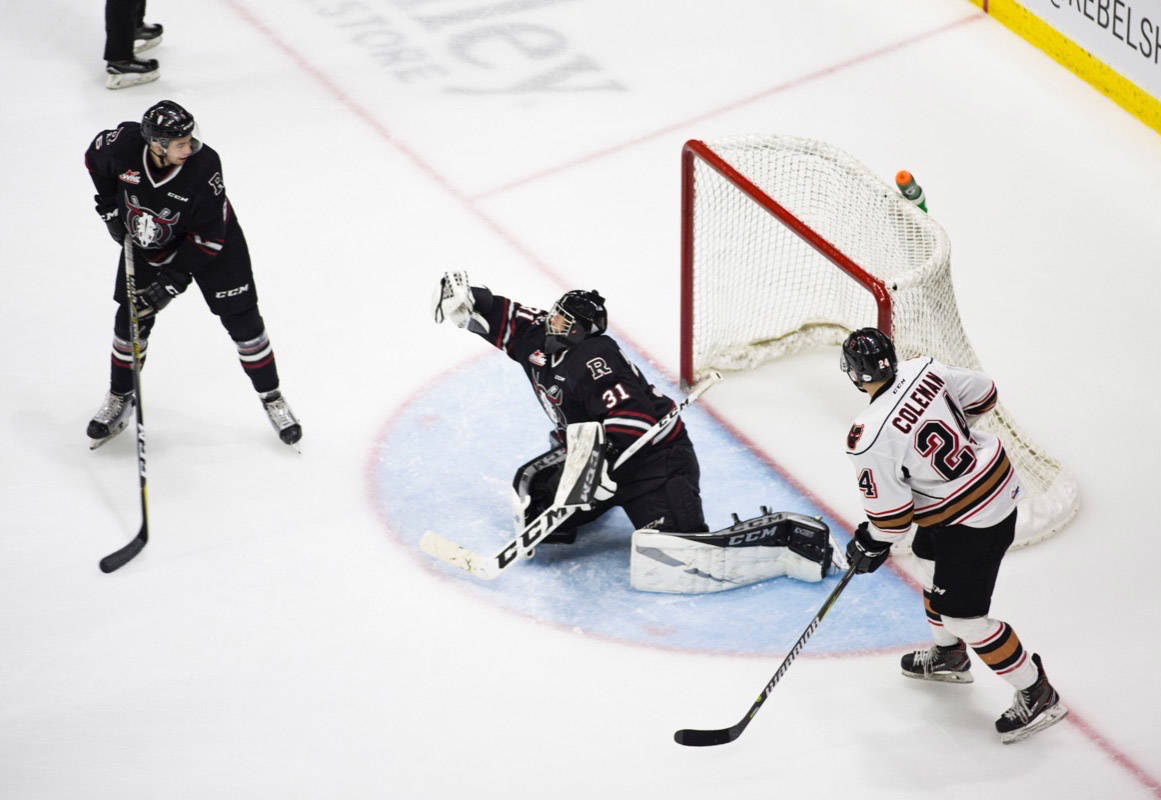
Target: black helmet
(166, 121)
(868, 356)
(581, 314)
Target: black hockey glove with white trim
(112, 220)
(865, 552)
(156, 296)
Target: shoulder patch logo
(853, 436)
(538, 358)
(598, 368)
(216, 183)
(130, 176)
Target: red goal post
(789, 243)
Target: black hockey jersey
(591, 381)
(179, 216)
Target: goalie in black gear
(580, 375)
(158, 184)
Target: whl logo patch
(130, 176)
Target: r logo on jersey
(598, 368)
(853, 436)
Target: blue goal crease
(485, 422)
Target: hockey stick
(488, 567)
(700, 738)
(120, 558)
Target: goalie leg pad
(747, 552)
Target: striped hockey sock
(257, 358)
(1002, 651)
(939, 633)
(121, 371)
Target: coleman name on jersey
(918, 460)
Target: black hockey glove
(866, 553)
(112, 221)
(156, 296)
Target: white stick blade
(437, 546)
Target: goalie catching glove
(453, 301)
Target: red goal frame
(694, 149)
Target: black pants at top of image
(122, 19)
(659, 489)
(967, 561)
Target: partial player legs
(256, 355)
(124, 27)
(961, 568)
(117, 407)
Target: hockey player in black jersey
(157, 183)
(579, 374)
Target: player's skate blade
(282, 418)
(111, 418)
(146, 38)
(122, 74)
(944, 664)
(1033, 709)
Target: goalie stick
(703, 738)
(488, 567)
(120, 558)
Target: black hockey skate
(110, 419)
(146, 37)
(1034, 709)
(281, 417)
(936, 663)
(119, 74)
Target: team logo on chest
(149, 228)
(853, 436)
(550, 399)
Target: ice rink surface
(281, 637)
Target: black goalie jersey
(591, 381)
(178, 215)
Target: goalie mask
(868, 356)
(573, 318)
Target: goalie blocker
(767, 546)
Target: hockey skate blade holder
(770, 545)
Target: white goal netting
(791, 242)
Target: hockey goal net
(789, 243)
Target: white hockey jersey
(917, 460)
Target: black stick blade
(693, 738)
(120, 558)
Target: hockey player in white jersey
(918, 460)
